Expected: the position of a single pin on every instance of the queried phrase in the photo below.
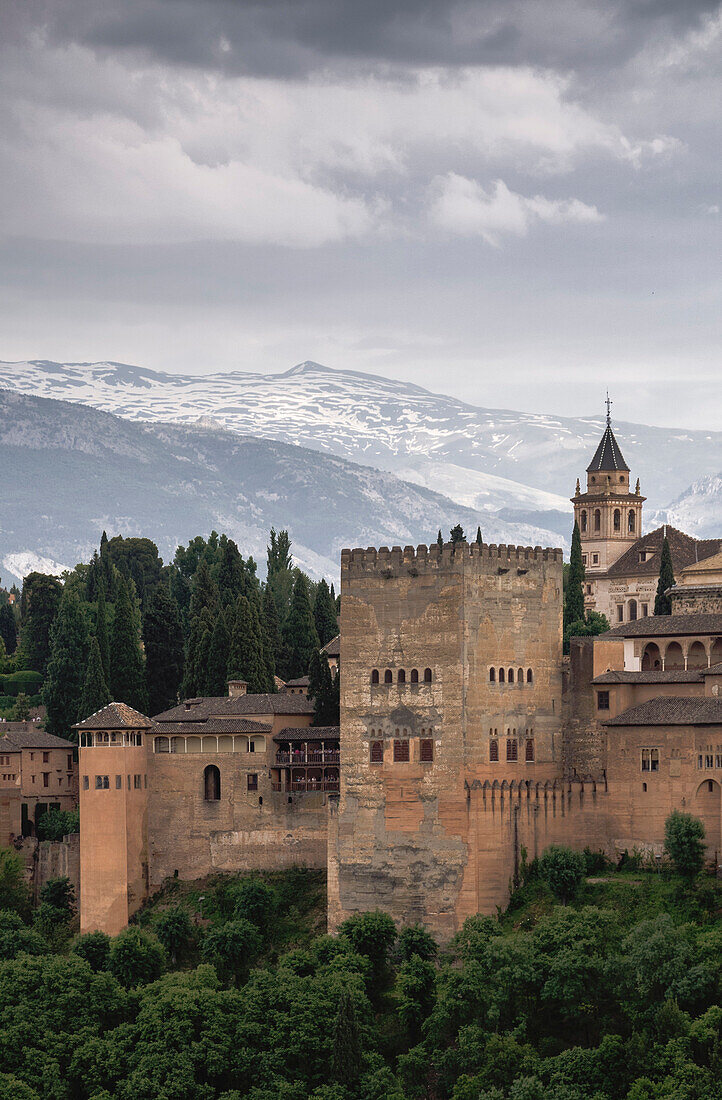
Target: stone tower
(113, 817)
(608, 513)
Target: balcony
(307, 787)
(292, 759)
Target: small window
(119, 782)
(86, 783)
(718, 760)
(426, 753)
(137, 782)
(584, 519)
(492, 675)
(602, 700)
(427, 675)
(494, 751)
(414, 675)
(710, 786)
(512, 750)
(597, 519)
(584, 559)
(631, 520)
(529, 676)
(401, 676)
(644, 786)
(650, 760)
(595, 559)
(511, 675)
(645, 610)
(620, 612)
(388, 676)
(70, 761)
(502, 676)
(529, 752)
(102, 783)
(617, 520)
(46, 758)
(212, 783)
(46, 779)
(377, 752)
(401, 752)
(709, 761)
(252, 779)
(375, 676)
(699, 761)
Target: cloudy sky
(516, 201)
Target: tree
(8, 628)
(416, 987)
(415, 940)
(164, 654)
(457, 534)
(254, 901)
(231, 573)
(246, 656)
(321, 691)
(196, 653)
(63, 688)
(574, 596)
(217, 665)
(299, 632)
(94, 947)
(55, 824)
(662, 602)
(17, 939)
(440, 540)
(95, 691)
(39, 605)
(371, 934)
(279, 577)
(127, 675)
(106, 562)
(175, 932)
(136, 957)
(232, 947)
(205, 591)
(59, 893)
(273, 639)
(324, 614)
(478, 536)
(347, 1058)
(684, 843)
(563, 870)
(101, 632)
(14, 889)
(22, 708)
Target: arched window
(388, 676)
(520, 676)
(697, 656)
(529, 676)
(212, 784)
(502, 676)
(494, 751)
(492, 675)
(401, 676)
(651, 658)
(427, 675)
(617, 520)
(597, 519)
(584, 519)
(414, 675)
(375, 676)
(631, 520)
(512, 750)
(511, 675)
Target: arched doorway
(673, 657)
(651, 658)
(707, 809)
(696, 656)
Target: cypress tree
(101, 633)
(164, 654)
(440, 540)
(8, 628)
(39, 606)
(217, 666)
(246, 658)
(3, 655)
(662, 602)
(574, 601)
(457, 534)
(231, 573)
(324, 614)
(196, 657)
(279, 577)
(478, 536)
(299, 633)
(95, 690)
(63, 687)
(346, 1064)
(272, 635)
(205, 591)
(106, 570)
(127, 675)
(323, 690)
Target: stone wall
(57, 859)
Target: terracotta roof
(655, 625)
(238, 706)
(212, 725)
(16, 739)
(116, 716)
(302, 681)
(333, 648)
(684, 550)
(713, 670)
(607, 456)
(309, 733)
(672, 711)
(672, 676)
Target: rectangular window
(377, 752)
(620, 612)
(493, 751)
(584, 559)
(426, 754)
(699, 761)
(70, 761)
(718, 760)
(529, 752)
(136, 782)
(128, 782)
(86, 783)
(595, 559)
(252, 781)
(119, 782)
(709, 760)
(401, 752)
(512, 750)
(46, 758)
(602, 700)
(645, 610)
(145, 781)
(46, 779)
(650, 760)
(102, 783)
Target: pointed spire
(608, 456)
(579, 489)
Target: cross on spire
(609, 404)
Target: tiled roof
(713, 670)
(116, 716)
(302, 681)
(684, 550)
(655, 625)
(309, 733)
(333, 648)
(212, 725)
(224, 706)
(672, 676)
(607, 455)
(30, 738)
(672, 711)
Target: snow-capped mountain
(519, 467)
(698, 509)
(69, 471)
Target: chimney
(237, 687)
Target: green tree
(478, 536)
(14, 891)
(457, 534)
(255, 901)
(563, 869)
(60, 893)
(232, 948)
(217, 667)
(127, 674)
(320, 690)
(371, 934)
(246, 656)
(273, 639)
(684, 843)
(415, 940)
(440, 540)
(574, 596)
(8, 628)
(299, 633)
(94, 947)
(164, 650)
(22, 708)
(17, 939)
(347, 1057)
(39, 606)
(324, 614)
(101, 632)
(95, 692)
(662, 602)
(416, 990)
(175, 931)
(63, 687)
(231, 573)
(205, 591)
(279, 577)
(55, 824)
(136, 957)
(196, 653)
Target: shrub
(55, 824)
(254, 901)
(59, 893)
(94, 947)
(136, 957)
(232, 948)
(14, 889)
(684, 843)
(174, 930)
(415, 940)
(563, 870)
(596, 863)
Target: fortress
(466, 738)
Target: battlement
(450, 556)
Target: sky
(513, 201)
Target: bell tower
(609, 514)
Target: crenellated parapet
(434, 558)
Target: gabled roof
(16, 739)
(301, 681)
(684, 550)
(116, 716)
(225, 706)
(713, 670)
(607, 456)
(333, 648)
(667, 626)
(212, 725)
(671, 711)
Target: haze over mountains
(514, 471)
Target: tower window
(427, 675)
(494, 751)
(595, 559)
(650, 760)
(401, 676)
(414, 675)
(388, 676)
(377, 752)
(597, 519)
(529, 752)
(512, 750)
(375, 676)
(426, 751)
(492, 675)
(212, 784)
(584, 520)
(502, 676)
(511, 675)
(631, 520)
(617, 520)
(401, 752)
